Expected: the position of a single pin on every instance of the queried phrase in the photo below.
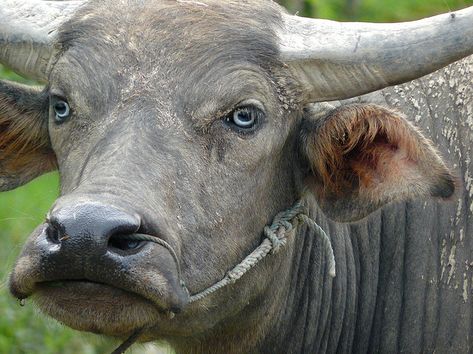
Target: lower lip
(95, 307)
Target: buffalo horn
(27, 32)
(335, 60)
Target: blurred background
(22, 329)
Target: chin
(96, 308)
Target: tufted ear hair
(25, 150)
(363, 156)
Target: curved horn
(334, 60)
(27, 32)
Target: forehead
(175, 33)
(191, 48)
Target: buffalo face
(190, 123)
(153, 145)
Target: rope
(143, 237)
(128, 343)
(272, 243)
(275, 240)
(327, 243)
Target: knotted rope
(275, 239)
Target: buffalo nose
(91, 229)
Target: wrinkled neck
(296, 313)
(319, 312)
(304, 324)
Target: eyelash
(244, 119)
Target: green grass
(22, 329)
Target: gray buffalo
(209, 187)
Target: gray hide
(404, 275)
(426, 248)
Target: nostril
(121, 242)
(92, 228)
(54, 233)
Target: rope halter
(275, 239)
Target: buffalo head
(194, 122)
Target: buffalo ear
(25, 150)
(363, 156)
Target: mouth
(107, 292)
(96, 307)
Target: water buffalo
(193, 123)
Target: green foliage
(389, 10)
(10, 75)
(22, 330)
(373, 10)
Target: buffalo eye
(246, 117)
(61, 110)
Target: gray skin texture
(404, 274)
(419, 254)
(148, 136)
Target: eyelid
(54, 93)
(243, 104)
(204, 124)
(249, 102)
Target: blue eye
(61, 110)
(245, 119)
